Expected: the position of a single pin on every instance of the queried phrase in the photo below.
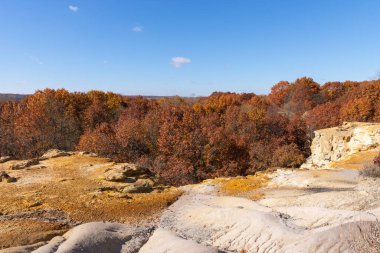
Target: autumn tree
(288, 156)
(323, 116)
(180, 146)
(102, 108)
(100, 140)
(8, 114)
(46, 121)
(279, 93)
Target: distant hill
(11, 97)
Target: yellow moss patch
(356, 161)
(243, 186)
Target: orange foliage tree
(185, 140)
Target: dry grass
(71, 185)
(370, 170)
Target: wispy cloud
(178, 61)
(73, 8)
(35, 59)
(138, 29)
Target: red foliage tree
(323, 116)
(46, 121)
(180, 142)
(100, 140)
(9, 112)
(279, 93)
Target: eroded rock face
(337, 143)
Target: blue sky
(185, 47)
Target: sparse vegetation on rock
(372, 169)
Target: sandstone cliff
(338, 143)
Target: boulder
(5, 159)
(4, 177)
(24, 164)
(86, 153)
(115, 176)
(53, 153)
(124, 172)
(140, 186)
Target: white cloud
(177, 62)
(73, 8)
(35, 59)
(138, 28)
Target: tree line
(186, 140)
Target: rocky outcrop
(140, 186)
(337, 143)
(5, 159)
(4, 177)
(130, 178)
(24, 164)
(124, 172)
(53, 153)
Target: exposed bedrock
(337, 143)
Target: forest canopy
(186, 140)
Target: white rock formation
(164, 241)
(98, 237)
(337, 143)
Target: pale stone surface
(99, 237)
(164, 241)
(120, 172)
(302, 211)
(53, 153)
(337, 143)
